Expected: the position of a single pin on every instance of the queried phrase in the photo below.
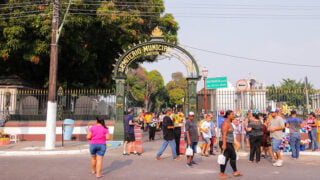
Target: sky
(286, 31)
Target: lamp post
(205, 75)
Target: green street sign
(216, 83)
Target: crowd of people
(264, 134)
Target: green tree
(91, 39)
(290, 91)
(177, 89)
(176, 96)
(146, 87)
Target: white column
(51, 125)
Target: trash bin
(68, 129)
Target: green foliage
(89, 44)
(177, 89)
(147, 87)
(290, 91)
(176, 96)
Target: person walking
(213, 135)
(227, 146)
(255, 129)
(129, 134)
(313, 132)
(294, 124)
(246, 122)
(178, 120)
(206, 135)
(276, 127)
(168, 137)
(266, 140)
(98, 135)
(191, 137)
(153, 127)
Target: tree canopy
(177, 89)
(290, 91)
(94, 33)
(147, 88)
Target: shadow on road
(116, 165)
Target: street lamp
(205, 75)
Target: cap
(169, 109)
(274, 111)
(221, 112)
(191, 113)
(130, 110)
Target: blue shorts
(247, 135)
(98, 149)
(275, 143)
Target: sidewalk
(25, 148)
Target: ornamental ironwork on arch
(158, 47)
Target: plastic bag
(189, 151)
(198, 149)
(221, 159)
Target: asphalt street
(116, 166)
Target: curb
(37, 153)
(86, 151)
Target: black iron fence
(81, 104)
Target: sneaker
(125, 154)
(137, 154)
(189, 164)
(280, 163)
(275, 164)
(194, 163)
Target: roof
(13, 80)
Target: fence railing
(81, 104)
(261, 101)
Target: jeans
(152, 132)
(177, 135)
(255, 147)
(212, 145)
(231, 155)
(164, 146)
(313, 136)
(295, 139)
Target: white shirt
(206, 126)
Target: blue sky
(277, 30)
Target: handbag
(221, 159)
(189, 151)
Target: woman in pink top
(98, 135)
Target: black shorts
(129, 137)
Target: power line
(197, 16)
(21, 3)
(18, 17)
(23, 12)
(253, 59)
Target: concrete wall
(35, 130)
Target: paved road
(146, 167)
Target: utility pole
(52, 103)
(307, 93)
